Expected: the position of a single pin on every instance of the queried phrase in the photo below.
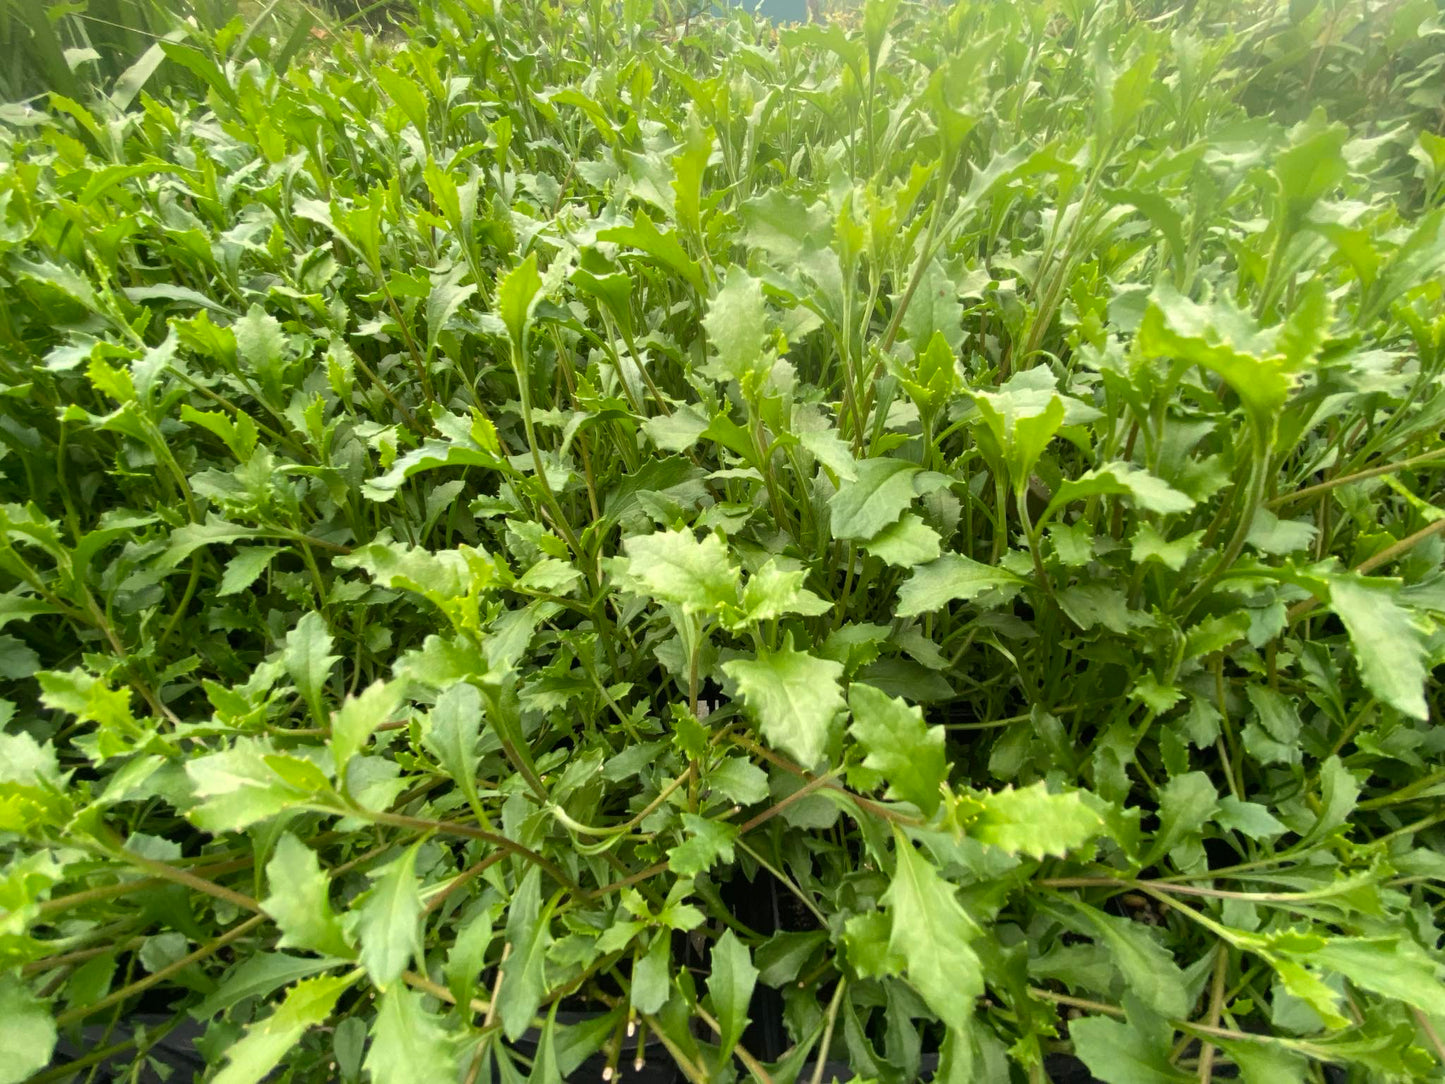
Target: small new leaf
(772, 591)
(707, 842)
(309, 660)
(1029, 820)
(358, 719)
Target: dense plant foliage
(559, 533)
(70, 46)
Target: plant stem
(750, 1063)
(827, 1040)
(695, 1073)
(524, 390)
(1216, 1005)
(453, 828)
(1254, 494)
(80, 1012)
(1075, 1002)
(787, 882)
(1357, 476)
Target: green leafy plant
(78, 47)
(565, 536)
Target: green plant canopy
(560, 536)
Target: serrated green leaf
(899, 744)
(932, 934)
(731, 979)
(407, 1042)
(1270, 534)
(739, 780)
(1339, 793)
(781, 225)
(261, 1049)
(261, 346)
(781, 957)
(1320, 1000)
(828, 449)
(1149, 545)
(309, 660)
(1275, 712)
(1019, 422)
(1147, 968)
(665, 248)
(524, 980)
(794, 698)
(1123, 479)
(867, 941)
(651, 975)
(1395, 967)
(906, 543)
(92, 700)
(1309, 168)
(27, 1032)
(453, 728)
(243, 569)
(1186, 803)
(1251, 818)
(406, 94)
(1029, 820)
(358, 718)
(874, 499)
(736, 322)
(675, 432)
(446, 298)
(953, 577)
(1389, 648)
(300, 900)
(241, 786)
(1264, 1062)
(1224, 340)
(517, 292)
(772, 591)
(1118, 1052)
(432, 455)
(387, 919)
(673, 566)
(257, 976)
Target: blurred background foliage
(1384, 58)
(73, 47)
